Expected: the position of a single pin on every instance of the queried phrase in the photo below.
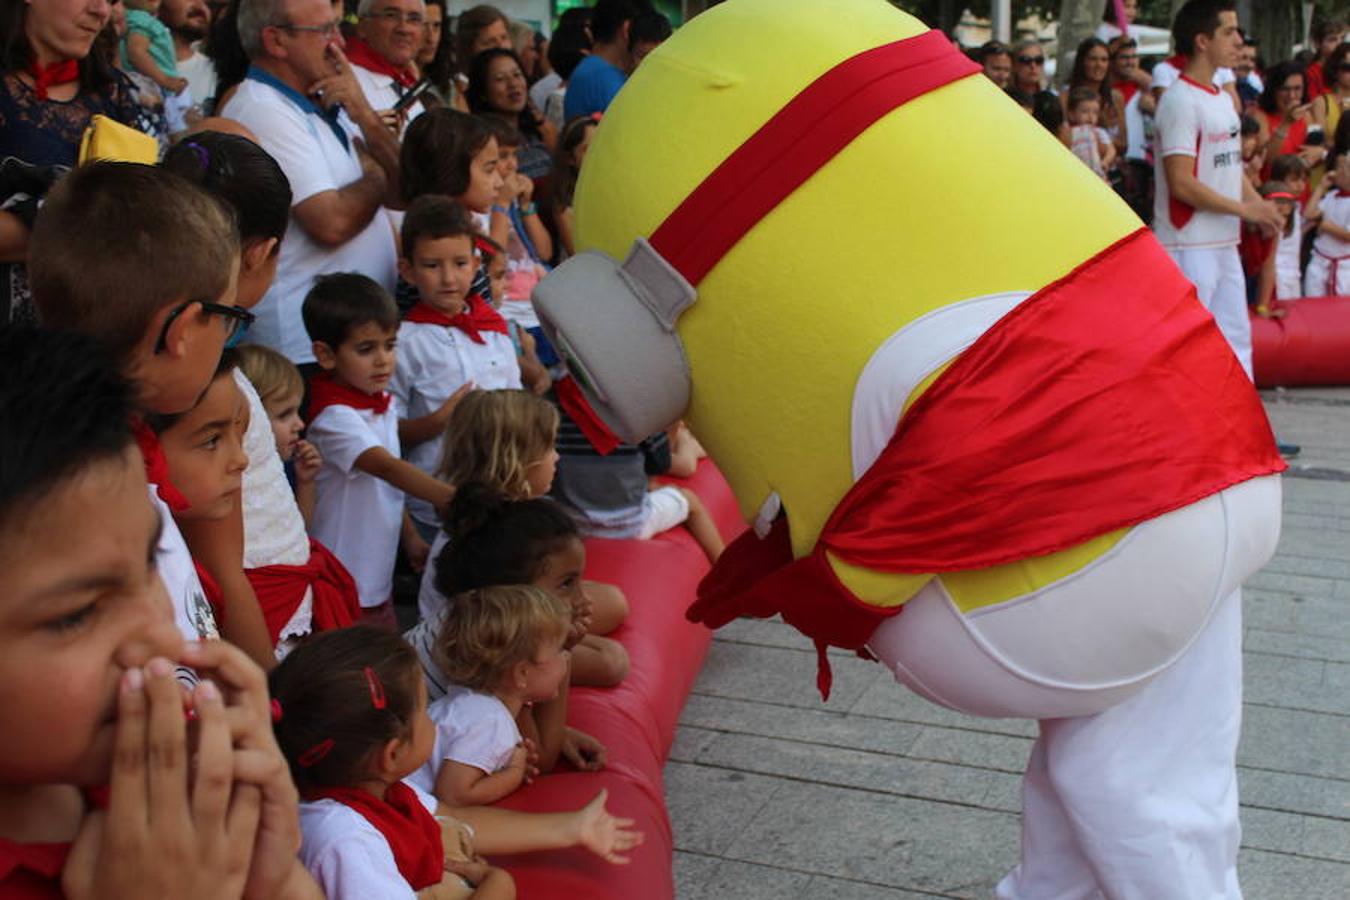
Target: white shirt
(1199, 122)
(1165, 75)
(1288, 279)
(1136, 141)
(540, 90)
(422, 637)
(191, 610)
(434, 361)
(348, 856)
(274, 530)
(1335, 208)
(472, 729)
(200, 73)
(356, 515)
(382, 92)
(315, 161)
(430, 601)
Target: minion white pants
(1217, 276)
(1140, 802)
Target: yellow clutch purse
(109, 139)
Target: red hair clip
(482, 245)
(315, 754)
(595, 116)
(377, 698)
(276, 710)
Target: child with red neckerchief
(451, 341)
(354, 424)
(354, 724)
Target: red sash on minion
(1105, 399)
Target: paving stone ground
(878, 795)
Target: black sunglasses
(237, 318)
(1031, 60)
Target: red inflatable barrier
(636, 720)
(1310, 345)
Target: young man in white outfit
(1202, 198)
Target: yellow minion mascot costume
(986, 433)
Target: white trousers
(1140, 802)
(1217, 276)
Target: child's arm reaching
(138, 54)
(1326, 226)
(458, 784)
(1108, 152)
(405, 476)
(503, 831)
(431, 426)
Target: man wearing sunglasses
(309, 113)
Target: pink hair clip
(276, 710)
(377, 698)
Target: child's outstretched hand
(308, 461)
(603, 833)
(582, 751)
(177, 824)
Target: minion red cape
(1105, 399)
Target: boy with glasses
(147, 263)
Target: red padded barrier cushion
(635, 720)
(1310, 345)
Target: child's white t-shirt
(274, 530)
(191, 610)
(356, 515)
(1197, 121)
(347, 855)
(434, 361)
(471, 728)
(1288, 278)
(1335, 207)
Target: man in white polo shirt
(1201, 196)
(307, 110)
(388, 36)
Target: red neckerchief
(63, 72)
(1127, 90)
(579, 410)
(281, 589)
(157, 467)
(32, 871)
(1177, 61)
(362, 54)
(1106, 399)
(476, 317)
(325, 392)
(413, 834)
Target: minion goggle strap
(614, 323)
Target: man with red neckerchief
(1201, 195)
(382, 54)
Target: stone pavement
(879, 795)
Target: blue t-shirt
(591, 88)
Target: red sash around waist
(281, 589)
(1106, 399)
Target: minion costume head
(931, 352)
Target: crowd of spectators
(1290, 124)
(363, 197)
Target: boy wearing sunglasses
(147, 263)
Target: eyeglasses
(1031, 60)
(393, 17)
(236, 318)
(328, 29)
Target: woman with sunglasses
(51, 85)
